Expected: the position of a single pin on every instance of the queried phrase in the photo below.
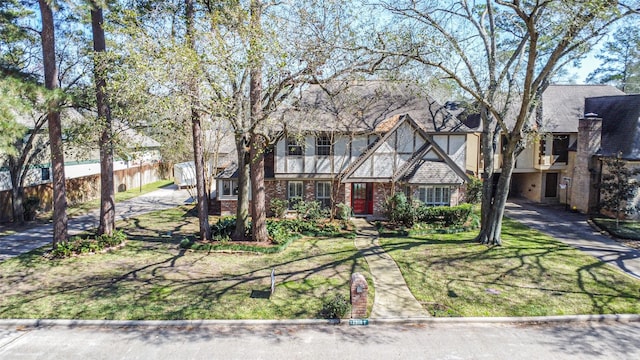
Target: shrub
(310, 210)
(335, 307)
(399, 210)
(78, 245)
(444, 216)
(473, 194)
(224, 227)
(343, 211)
(279, 207)
(31, 206)
(186, 243)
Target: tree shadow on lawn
(173, 274)
(535, 263)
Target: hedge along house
(359, 143)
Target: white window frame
(323, 193)
(232, 188)
(293, 193)
(435, 195)
(323, 142)
(295, 147)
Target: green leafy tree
(502, 54)
(620, 60)
(618, 187)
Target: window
(560, 148)
(295, 192)
(229, 188)
(294, 147)
(45, 174)
(435, 195)
(323, 193)
(323, 145)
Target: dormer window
(294, 147)
(323, 145)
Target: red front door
(362, 198)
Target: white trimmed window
(435, 195)
(295, 192)
(229, 187)
(323, 193)
(294, 147)
(323, 145)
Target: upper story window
(294, 147)
(323, 145)
(560, 148)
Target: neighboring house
(544, 170)
(358, 146)
(610, 128)
(135, 164)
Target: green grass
(530, 275)
(626, 229)
(151, 278)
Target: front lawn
(626, 231)
(152, 278)
(530, 275)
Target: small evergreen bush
(335, 307)
(279, 207)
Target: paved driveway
(573, 229)
(40, 235)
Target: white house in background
(135, 165)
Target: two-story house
(358, 146)
(544, 169)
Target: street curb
(41, 323)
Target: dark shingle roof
(563, 105)
(432, 172)
(620, 124)
(362, 106)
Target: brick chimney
(583, 195)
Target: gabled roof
(563, 105)
(620, 124)
(433, 172)
(366, 106)
(417, 169)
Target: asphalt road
(386, 341)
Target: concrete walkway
(573, 229)
(40, 235)
(393, 300)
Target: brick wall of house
(589, 140)
(381, 191)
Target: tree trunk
(17, 192)
(258, 143)
(494, 200)
(258, 214)
(196, 127)
(17, 197)
(107, 191)
(55, 127)
(242, 212)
